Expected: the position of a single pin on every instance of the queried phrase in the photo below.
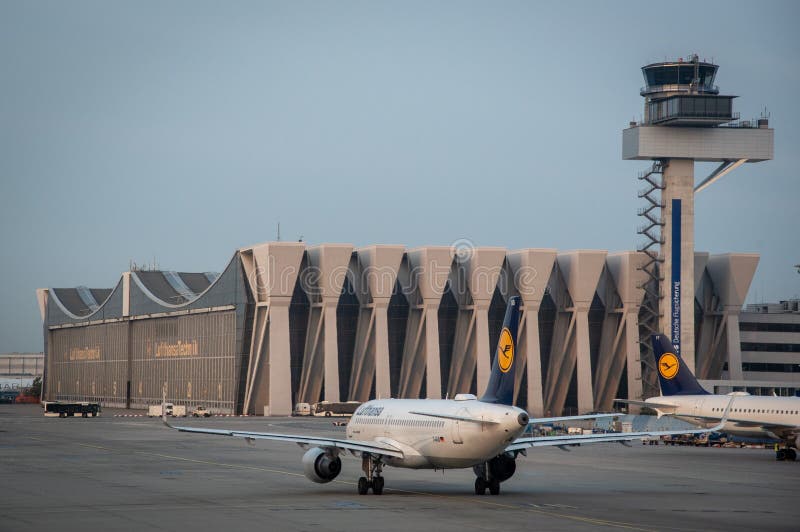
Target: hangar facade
(286, 323)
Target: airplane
(682, 397)
(484, 434)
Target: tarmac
(118, 473)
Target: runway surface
(115, 473)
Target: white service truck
(302, 409)
(171, 410)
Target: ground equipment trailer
(65, 409)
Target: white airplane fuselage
(431, 442)
(750, 415)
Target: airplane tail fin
(500, 389)
(674, 375)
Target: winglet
(725, 413)
(718, 427)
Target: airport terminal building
(770, 346)
(286, 323)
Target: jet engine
(501, 467)
(321, 467)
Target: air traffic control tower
(686, 119)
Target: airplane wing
(546, 420)
(776, 428)
(661, 406)
(354, 446)
(612, 437)
(521, 444)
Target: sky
(180, 131)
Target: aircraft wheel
(780, 455)
(363, 486)
(480, 486)
(328, 413)
(377, 485)
(791, 455)
(494, 487)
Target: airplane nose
(523, 419)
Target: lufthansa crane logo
(668, 365)
(505, 351)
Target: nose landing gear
(484, 480)
(372, 467)
(481, 485)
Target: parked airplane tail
(674, 375)
(500, 389)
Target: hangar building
(286, 323)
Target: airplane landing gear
(787, 454)
(480, 486)
(372, 467)
(484, 481)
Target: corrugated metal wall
(89, 364)
(22, 364)
(194, 355)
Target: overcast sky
(183, 130)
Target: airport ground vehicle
(26, 397)
(8, 396)
(682, 439)
(327, 408)
(302, 409)
(201, 411)
(169, 408)
(59, 409)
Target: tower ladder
(651, 230)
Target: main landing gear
(484, 481)
(786, 453)
(372, 467)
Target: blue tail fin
(500, 389)
(674, 375)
